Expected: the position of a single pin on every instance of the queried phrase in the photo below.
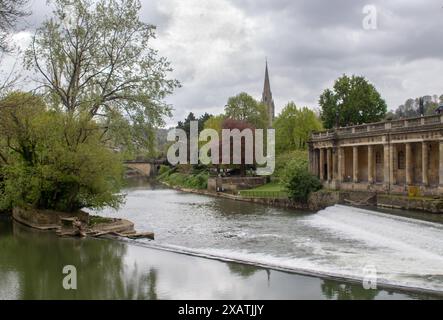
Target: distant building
(267, 97)
(392, 156)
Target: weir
(339, 241)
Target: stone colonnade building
(400, 156)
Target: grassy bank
(270, 190)
(190, 180)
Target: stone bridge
(144, 168)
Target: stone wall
(323, 199)
(400, 202)
(234, 184)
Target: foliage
(418, 106)
(189, 181)
(293, 128)
(163, 169)
(55, 160)
(352, 100)
(243, 107)
(293, 172)
(95, 58)
(215, 123)
(300, 183)
(285, 161)
(10, 12)
(186, 124)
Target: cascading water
(339, 241)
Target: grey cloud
(218, 47)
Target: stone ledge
(45, 219)
(48, 220)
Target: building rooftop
(376, 127)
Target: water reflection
(31, 266)
(39, 257)
(346, 291)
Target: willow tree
(95, 61)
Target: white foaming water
(405, 252)
(339, 241)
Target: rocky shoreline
(77, 224)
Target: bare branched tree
(95, 59)
(10, 12)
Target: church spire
(267, 97)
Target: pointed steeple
(267, 97)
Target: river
(249, 251)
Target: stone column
(386, 165)
(424, 161)
(392, 177)
(371, 164)
(440, 167)
(329, 164)
(321, 166)
(355, 164)
(408, 167)
(340, 163)
(311, 160)
(316, 155)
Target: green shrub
(163, 169)
(177, 179)
(289, 160)
(300, 183)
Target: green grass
(95, 220)
(270, 190)
(190, 181)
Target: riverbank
(77, 224)
(276, 202)
(325, 198)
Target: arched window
(401, 160)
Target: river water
(339, 241)
(255, 251)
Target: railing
(379, 126)
(264, 194)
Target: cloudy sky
(218, 47)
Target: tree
(293, 127)
(10, 12)
(412, 107)
(233, 124)
(299, 182)
(352, 101)
(186, 124)
(243, 107)
(95, 59)
(215, 123)
(43, 169)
